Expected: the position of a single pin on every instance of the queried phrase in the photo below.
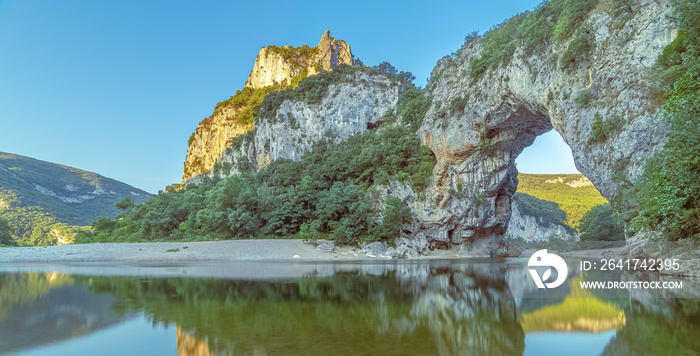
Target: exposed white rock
(529, 228)
(61, 239)
(576, 183)
(345, 111)
(273, 68)
(213, 135)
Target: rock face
(476, 127)
(476, 144)
(345, 111)
(274, 65)
(528, 228)
(211, 138)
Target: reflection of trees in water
(659, 327)
(23, 288)
(579, 311)
(412, 310)
(41, 308)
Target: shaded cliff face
(529, 228)
(278, 65)
(274, 66)
(477, 128)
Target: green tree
(396, 215)
(601, 224)
(125, 204)
(6, 233)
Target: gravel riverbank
(236, 250)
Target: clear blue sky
(117, 87)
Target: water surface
(455, 307)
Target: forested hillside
(574, 193)
(45, 203)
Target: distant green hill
(44, 202)
(574, 193)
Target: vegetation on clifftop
(556, 20)
(296, 54)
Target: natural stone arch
(477, 128)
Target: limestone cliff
(530, 228)
(274, 66)
(278, 65)
(209, 141)
(343, 113)
(477, 127)
(345, 110)
(480, 121)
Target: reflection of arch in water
(466, 310)
(443, 308)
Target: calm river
(420, 307)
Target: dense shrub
(557, 19)
(669, 189)
(584, 98)
(6, 232)
(601, 224)
(411, 108)
(582, 43)
(296, 54)
(327, 190)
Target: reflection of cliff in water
(188, 345)
(394, 309)
(42, 308)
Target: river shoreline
(231, 250)
(270, 250)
